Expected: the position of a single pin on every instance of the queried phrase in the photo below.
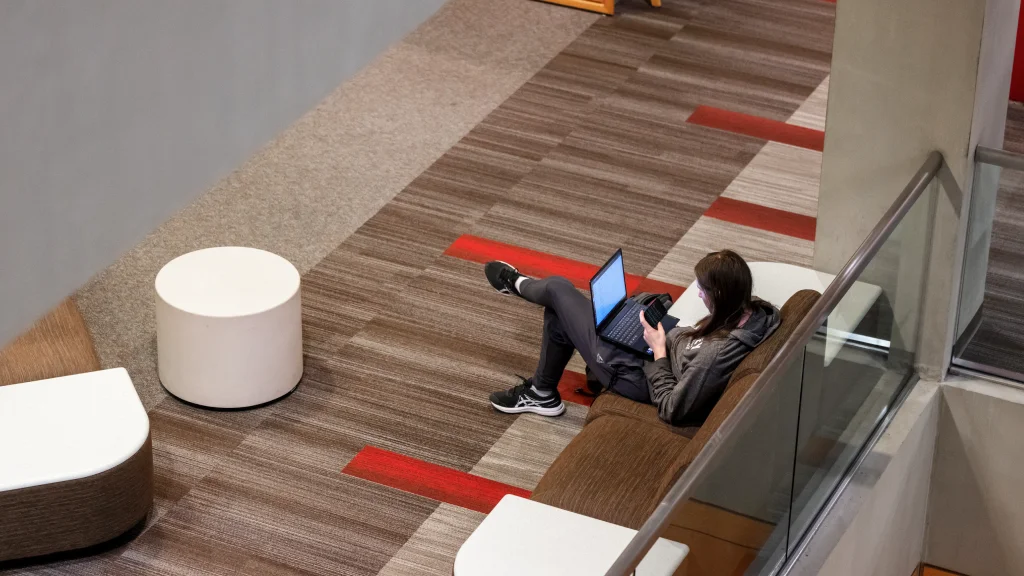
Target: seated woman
(691, 366)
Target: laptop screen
(608, 288)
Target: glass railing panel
(858, 361)
(979, 237)
(736, 520)
(991, 306)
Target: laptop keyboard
(626, 327)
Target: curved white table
(76, 466)
(229, 327)
(776, 283)
(521, 537)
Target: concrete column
(908, 78)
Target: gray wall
(909, 78)
(114, 114)
(882, 515)
(976, 511)
(941, 486)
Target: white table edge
(665, 551)
(101, 466)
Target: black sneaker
(502, 276)
(521, 398)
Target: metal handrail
(999, 158)
(769, 379)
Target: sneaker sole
(556, 411)
(505, 291)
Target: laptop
(616, 317)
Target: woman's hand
(655, 338)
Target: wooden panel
(710, 556)
(723, 524)
(721, 542)
(927, 570)
(600, 6)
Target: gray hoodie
(687, 383)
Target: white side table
(229, 327)
(76, 462)
(521, 537)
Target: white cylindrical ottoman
(229, 327)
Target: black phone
(654, 312)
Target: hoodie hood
(686, 384)
(763, 321)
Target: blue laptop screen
(608, 289)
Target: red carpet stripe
(567, 388)
(758, 127)
(429, 480)
(540, 264)
(763, 218)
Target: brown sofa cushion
(792, 312)
(58, 345)
(611, 404)
(613, 470)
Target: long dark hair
(726, 280)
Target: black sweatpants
(569, 326)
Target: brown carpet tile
(403, 344)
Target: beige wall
(114, 114)
(976, 512)
(901, 86)
(944, 485)
(882, 524)
(904, 83)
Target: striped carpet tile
(754, 245)
(429, 480)
(763, 218)
(540, 265)
(781, 177)
(528, 447)
(757, 127)
(811, 114)
(431, 550)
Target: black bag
(594, 386)
(645, 299)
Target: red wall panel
(1017, 78)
